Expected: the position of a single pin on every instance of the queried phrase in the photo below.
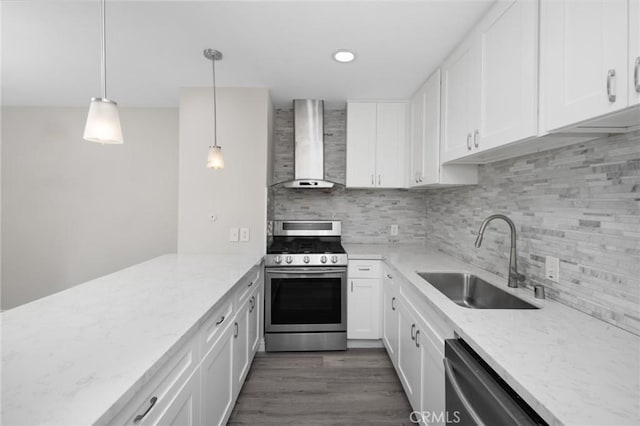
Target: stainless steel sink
(472, 292)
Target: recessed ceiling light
(344, 55)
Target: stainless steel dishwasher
(476, 395)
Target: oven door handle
(307, 271)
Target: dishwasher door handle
(450, 376)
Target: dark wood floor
(358, 386)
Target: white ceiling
(51, 54)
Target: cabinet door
(583, 42)
(417, 137)
(409, 357)
(433, 389)
(361, 144)
(634, 52)
(509, 108)
(241, 359)
(184, 409)
(363, 307)
(390, 145)
(390, 318)
(431, 137)
(217, 379)
(460, 100)
(255, 316)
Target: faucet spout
(513, 276)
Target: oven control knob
(334, 259)
(323, 259)
(289, 259)
(278, 259)
(306, 259)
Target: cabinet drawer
(364, 269)
(154, 397)
(215, 324)
(247, 284)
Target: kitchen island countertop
(570, 367)
(77, 356)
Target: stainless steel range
(306, 287)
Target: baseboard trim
(364, 343)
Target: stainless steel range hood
(308, 167)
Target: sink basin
(472, 292)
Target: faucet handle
(517, 276)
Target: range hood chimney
(308, 166)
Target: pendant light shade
(103, 120)
(214, 159)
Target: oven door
(305, 300)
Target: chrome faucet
(514, 277)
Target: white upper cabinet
(376, 139)
(583, 60)
(460, 100)
(634, 52)
(489, 83)
(509, 85)
(426, 169)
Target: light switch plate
(233, 234)
(393, 229)
(244, 234)
(552, 268)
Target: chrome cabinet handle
(413, 327)
(351, 286)
(468, 141)
(252, 303)
(139, 417)
(364, 269)
(389, 276)
(476, 136)
(220, 321)
(610, 75)
(373, 182)
(417, 334)
(235, 333)
(379, 180)
(250, 284)
(636, 74)
(393, 301)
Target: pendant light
(103, 120)
(214, 159)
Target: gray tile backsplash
(579, 203)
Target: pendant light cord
(104, 49)
(215, 124)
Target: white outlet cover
(244, 234)
(393, 230)
(552, 268)
(233, 234)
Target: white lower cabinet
(363, 299)
(409, 357)
(184, 408)
(390, 315)
(217, 380)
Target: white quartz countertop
(570, 367)
(69, 358)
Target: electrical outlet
(244, 234)
(233, 234)
(552, 268)
(393, 229)
(213, 217)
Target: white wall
(237, 194)
(74, 210)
